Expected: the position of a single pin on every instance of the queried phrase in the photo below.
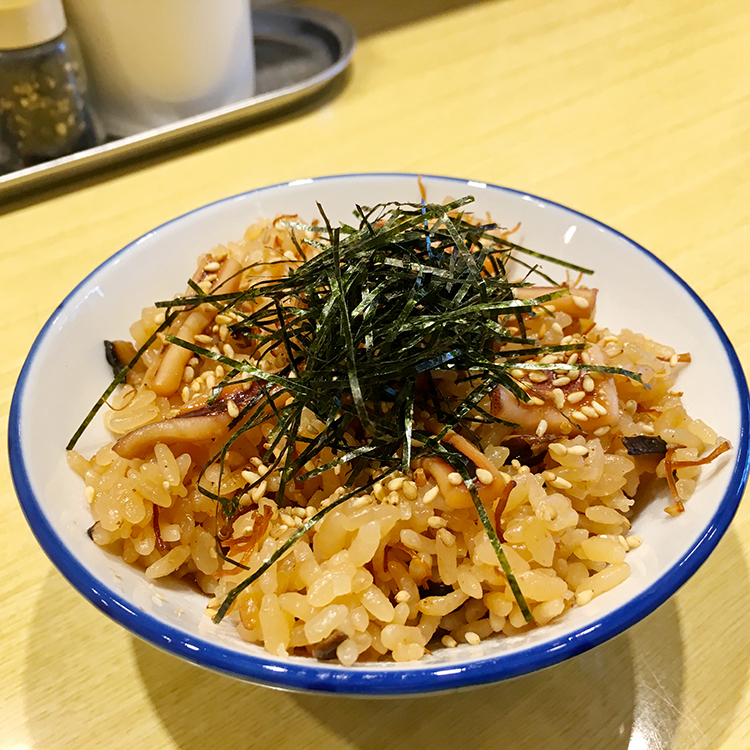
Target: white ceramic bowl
(65, 373)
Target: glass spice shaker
(44, 112)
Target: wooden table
(633, 111)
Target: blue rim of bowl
(364, 681)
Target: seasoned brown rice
(406, 566)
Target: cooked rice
(406, 567)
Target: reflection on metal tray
(297, 52)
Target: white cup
(152, 62)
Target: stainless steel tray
(298, 51)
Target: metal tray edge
(246, 110)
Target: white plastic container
(153, 62)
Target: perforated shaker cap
(26, 23)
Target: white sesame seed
(430, 495)
(558, 397)
(257, 492)
(188, 374)
(249, 476)
(516, 373)
(634, 541)
(402, 597)
(448, 641)
(211, 267)
(409, 490)
(185, 394)
(585, 358)
(561, 381)
(600, 409)
(395, 484)
(159, 318)
(537, 377)
(631, 406)
(560, 483)
(232, 409)
(89, 493)
(201, 338)
(588, 384)
(584, 597)
(579, 416)
(589, 411)
(393, 498)
(541, 428)
(578, 450)
(573, 358)
(436, 522)
(536, 401)
(558, 449)
(647, 429)
(445, 537)
(472, 638)
(574, 398)
(485, 476)
(549, 359)
(581, 302)
(601, 431)
(673, 360)
(622, 542)
(557, 328)
(455, 478)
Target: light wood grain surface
(635, 112)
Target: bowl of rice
(380, 434)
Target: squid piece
(568, 409)
(457, 495)
(202, 423)
(580, 303)
(175, 358)
(139, 442)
